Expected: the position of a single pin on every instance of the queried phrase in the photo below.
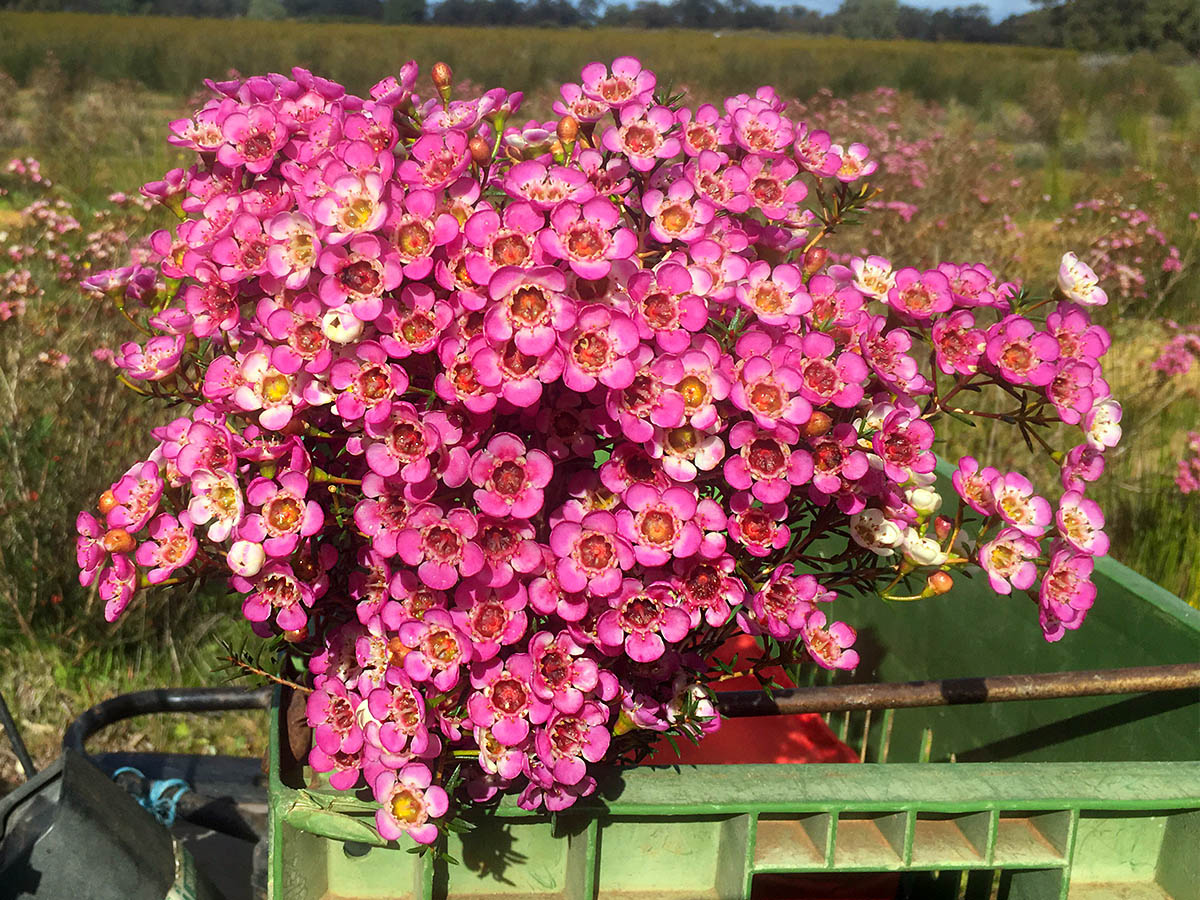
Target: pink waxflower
(760, 529)
(1079, 283)
(1008, 561)
(116, 585)
(1018, 505)
(642, 620)
(352, 205)
(257, 385)
(643, 136)
(590, 554)
(782, 607)
(158, 359)
(599, 348)
(1082, 464)
(903, 443)
(531, 309)
(285, 514)
(958, 343)
(758, 128)
(367, 384)
(510, 479)
(504, 701)
(776, 295)
(441, 545)
(974, 485)
(1081, 522)
(662, 524)
(89, 547)
(1021, 353)
(492, 617)
(678, 214)
(815, 153)
(706, 130)
(766, 463)
(1102, 425)
(545, 187)
(293, 248)
(827, 376)
(137, 494)
(588, 237)
(252, 138)
(627, 82)
(276, 591)
(829, 646)
(1071, 390)
(855, 164)
(418, 229)
(562, 673)
(435, 161)
(408, 799)
(837, 461)
(171, 546)
(1067, 592)
(771, 185)
(510, 240)
(569, 741)
(920, 295)
(358, 273)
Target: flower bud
(107, 501)
(814, 260)
(118, 540)
(341, 325)
(481, 151)
(925, 501)
(939, 583)
(818, 424)
(246, 558)
(942, 527)
(443, 80)
(568, 129)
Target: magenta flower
(920, 295)
(418, 229)
(782, 607)
(1018, 505)
(725, 184)
(216, 501)
(89, 547)
(492, 617)
(760, 529)
(358, 273)
(437, 649)
(408, 799)
(768, 385)
(276, 591)
(757, 128)
(1077, 337)
(903, 443)
(504, 701)
(588, 237)
(772, 186)
(1081, 522)
(815, 153)
(435, 161)
(1008, 561)
(367, 384)
(511, 241)
(284, 514)
(547, 186)
(171, 546)
(116, 585)
(1067, 592)
(598, 349)
(292, 248)
(829, 646)
(958, 343)
(776, 295)
(855, 164)
(707, 589)
(157, 360)
(1082, 464)
(836, 460)
(569, 741)
(441, 545)
(678, 214)
(331, 713)
(137, 494)
(252, 138)
(662, 524)
(699, 378)
(398, 717)
(510, 478)
(627, 83)
(766, 464)
(353, 205)
(826, 378)
(704, 131)
(974, 485)
(576, 103)
(258, 385)
(531, 309)
(1071, 390)
(591, 554)
(562, 674)
(1021, 353)
(642, 620)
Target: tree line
(1167, 26)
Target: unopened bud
(942, 527)
(939, 583)
(814, 260)
(481, 151)
(818, 424)
(118, 540)
(107, 501)
(568, 129)
(246, 558)
(443, 80)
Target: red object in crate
(800, 738)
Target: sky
(999, 8)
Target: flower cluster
(1188, 477)
(506, 428)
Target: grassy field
(986, 153)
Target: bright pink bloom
(1081, 522)
(642, 620)
(1008, 560)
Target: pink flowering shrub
(506, 428)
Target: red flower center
(586, 241)
(555, 667)
(641, 613)
(307, 339)
(510, 249)
(282, 514)
(1018, 357)
(591, 351)
(374, 383)
(360, 277)
(596, 552)
(766, 457)
(489, 620)
(641, 139)
(443, 543)
(829, 456)
(766, 398)
(509, 696)
(529, 305)
(257, 145)
(757, 526)
(658, 527)
(418, 328)
(407, 441)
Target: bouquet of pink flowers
(506, 429)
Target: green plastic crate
(1078, 799)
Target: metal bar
(956, 691)
(14, 738)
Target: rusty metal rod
(956, 691)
